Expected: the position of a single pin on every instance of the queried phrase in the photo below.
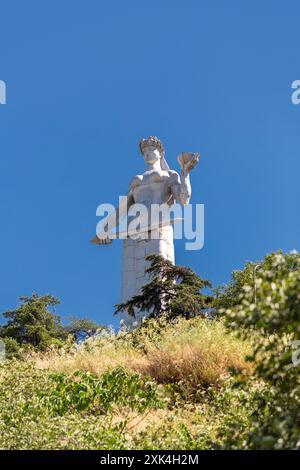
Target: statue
(157, 185)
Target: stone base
(134, 264)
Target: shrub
(191, 354)
(83, 391)
(276, 314)
(40, 410)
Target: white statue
(157, 185)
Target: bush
(191, 354)
(109, 402)
(276, 314)
(83, 391)
(54, 411)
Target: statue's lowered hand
(101, 240)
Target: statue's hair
(154, 141)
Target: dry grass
(198, 352)
(192, 353)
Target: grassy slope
(156, 388)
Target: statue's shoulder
(174, 176)
(136, 181)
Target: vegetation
(275, 419)
(34, 325)
(151, 388)
(173, 291)
(230, 295)
(190, 355)
(220, 378)
(32, 322)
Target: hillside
(227, 378)
(163, 387)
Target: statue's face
(151, 154)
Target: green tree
(32, 322)
(275, 314)
(229, 295)
(173, 291)
(81, 328)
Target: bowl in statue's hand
(188, 160)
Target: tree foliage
(173, 291)
(275, 313)
(34, 323)
(82, 328)
(229, 295)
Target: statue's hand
(101, 241)
(188, 161)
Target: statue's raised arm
(181, 186)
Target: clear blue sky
(86, 79)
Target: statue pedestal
(134, 263)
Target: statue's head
(152, 149)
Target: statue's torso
(153, 187)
